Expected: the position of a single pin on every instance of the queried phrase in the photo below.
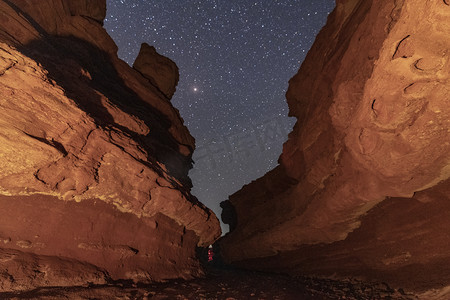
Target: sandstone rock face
(94, 158)
(160, 70)
(363, 185)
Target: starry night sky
(235, 60)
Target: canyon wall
(94, 158)
(362, 188)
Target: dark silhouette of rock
(94, 159)
(363, 184)
(228, 215)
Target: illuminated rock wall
(94, 158)
(362, 188)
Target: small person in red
(210, 254)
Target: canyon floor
(225, 283)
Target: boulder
(158, 69)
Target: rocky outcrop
(158, 69)
(94, 158)
(363, 185)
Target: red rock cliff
(363, 185)
(94, 158)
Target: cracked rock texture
(93, 157)
(363, 185)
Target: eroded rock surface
(363, 183)
(94, 158)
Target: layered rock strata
(363, 185)
(94, 158)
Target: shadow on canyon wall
(89, 70)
